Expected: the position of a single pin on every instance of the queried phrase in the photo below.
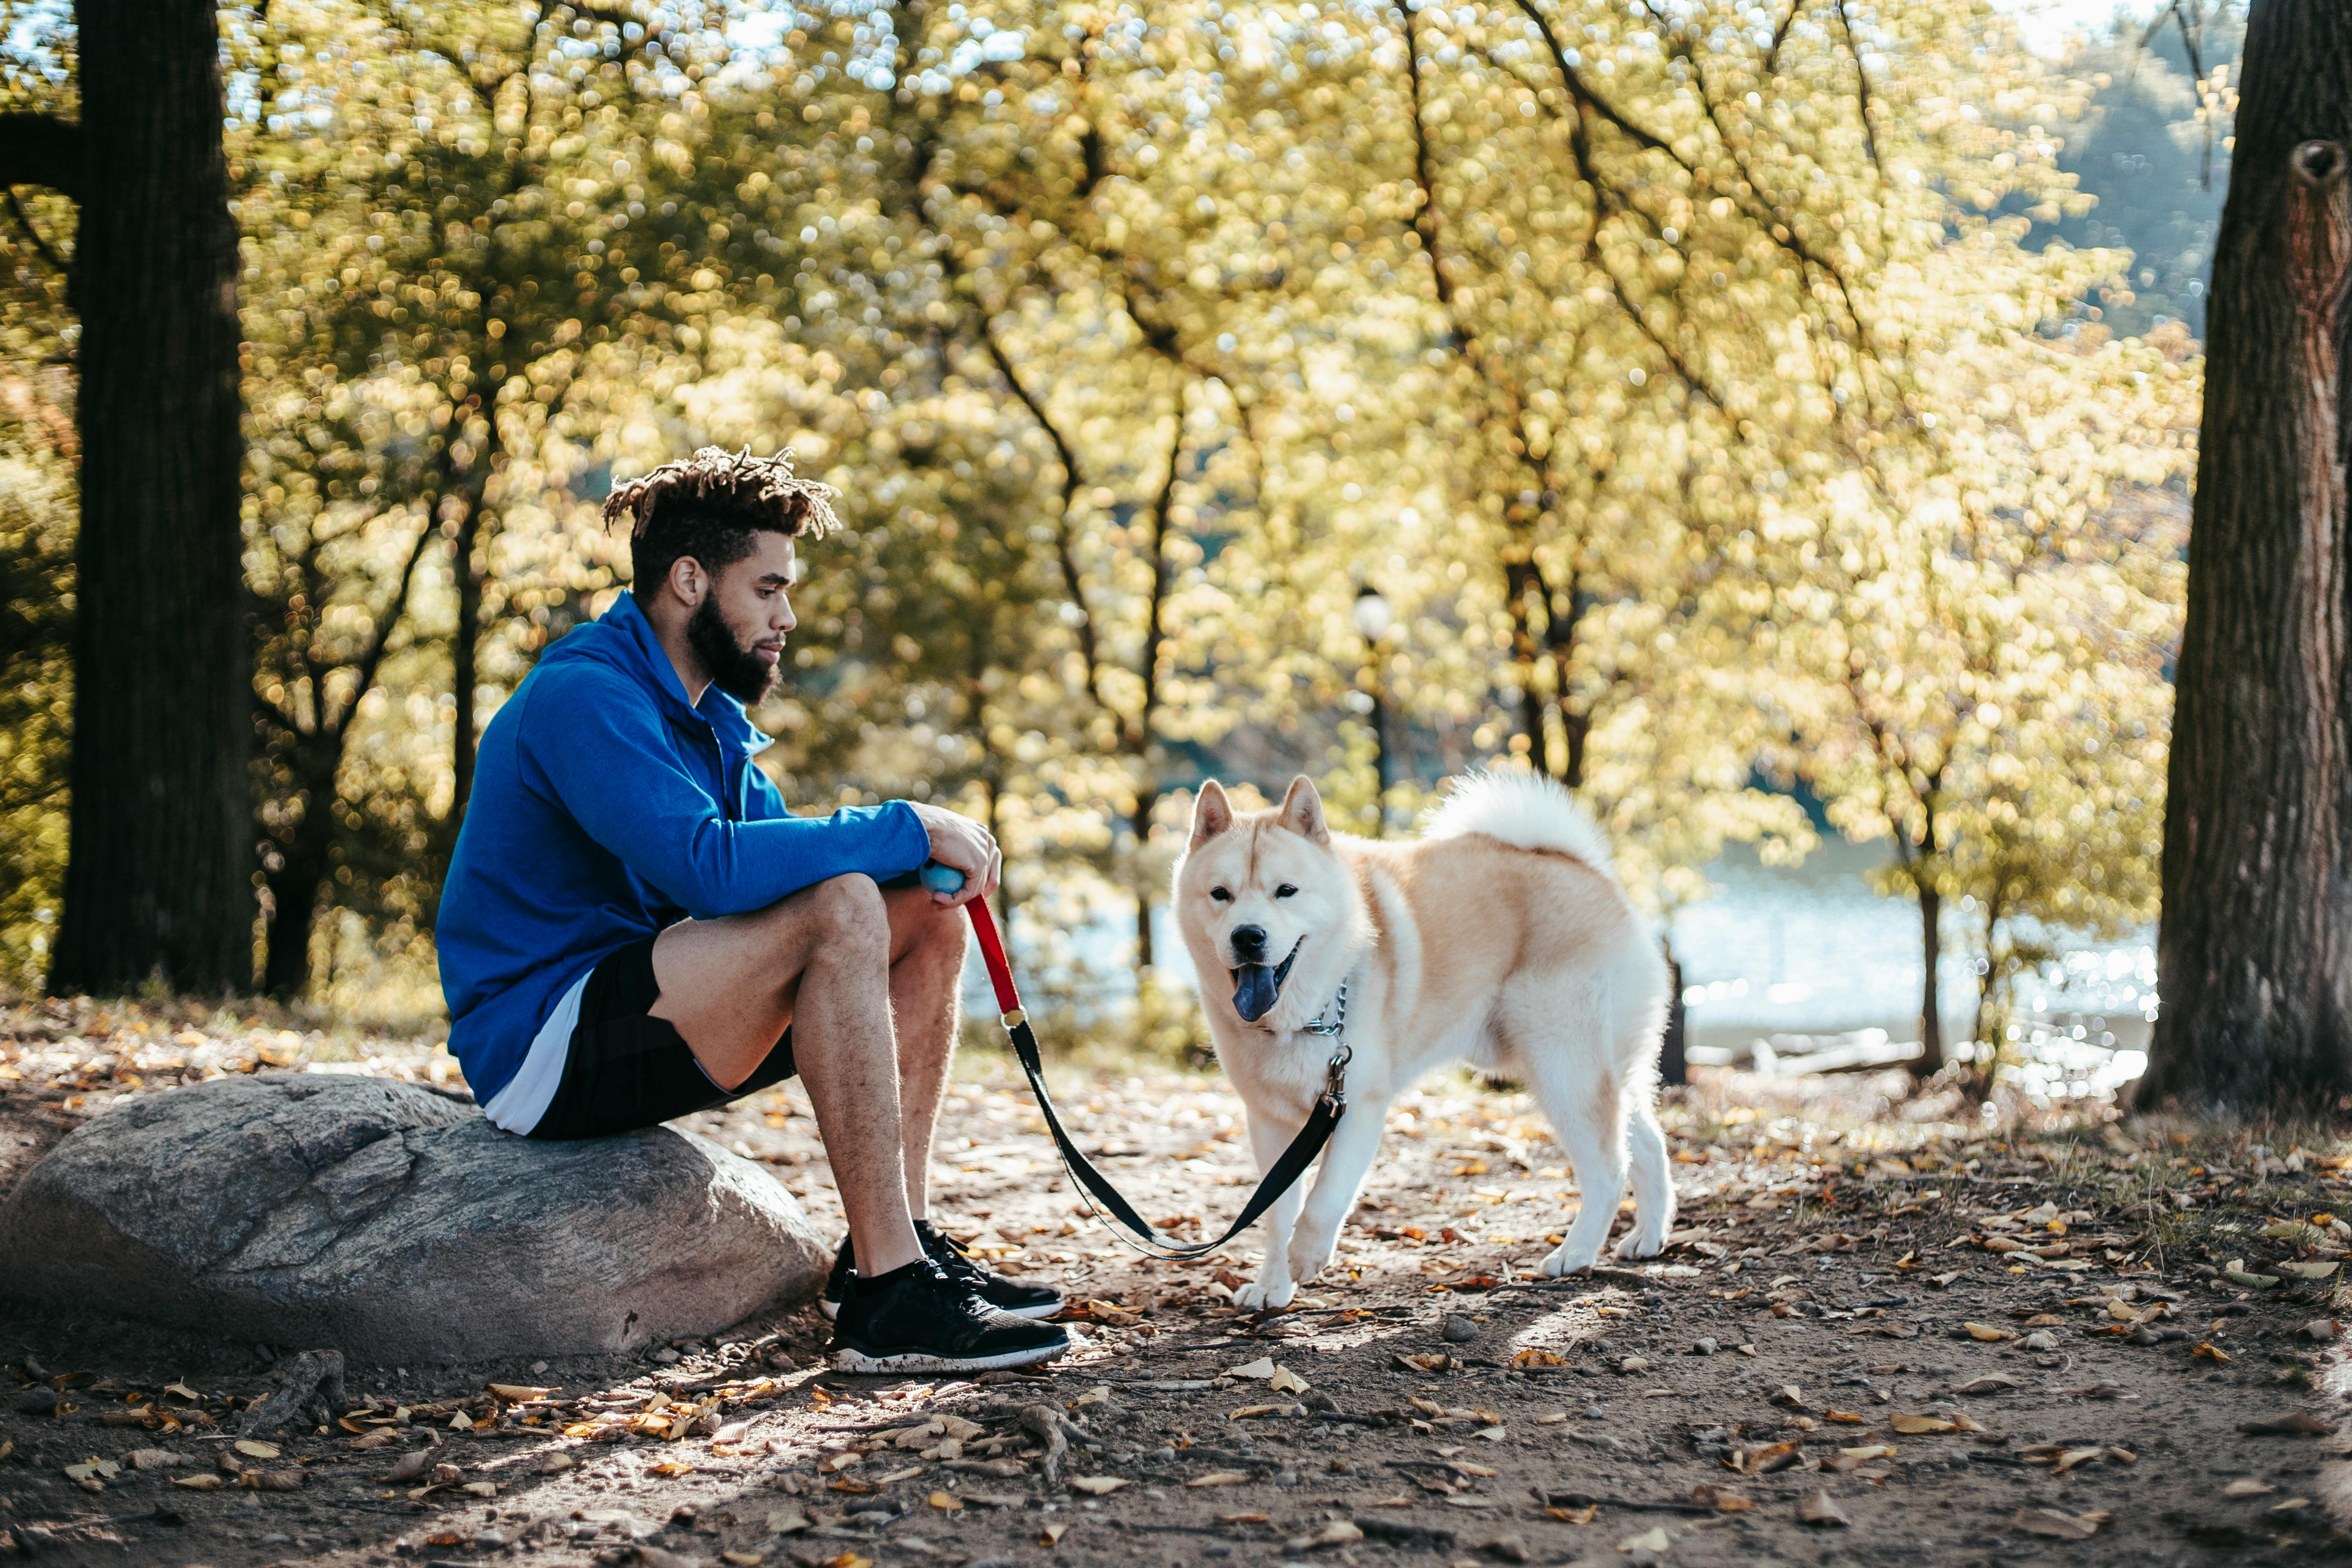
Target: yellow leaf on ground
(1098, 1486)
(1986, 1332)
(1286, 1381)
(1052, 1534)
(256, 1451)
(1916, 1426)
(1219, 1479)
(947, 1502)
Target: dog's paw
(1310, 1254)
(1562, 1261)
(1642, 1241)
(1259, 1295)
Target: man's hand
(960, 842)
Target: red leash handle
(991, 953)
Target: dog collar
(1333, 1020)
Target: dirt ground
(1880, 1337)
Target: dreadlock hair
(709, 505)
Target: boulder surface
(394, 1223)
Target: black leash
(1329, 1106)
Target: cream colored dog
(1500, 937)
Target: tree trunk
(2255, 952)
(1931, 1010)
(160, 878)
(1674, 1057)
(294, 891)
(464, 659)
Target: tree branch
(41, 150)
(47, 251)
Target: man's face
(738, 630)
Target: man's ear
(1302, 811)
(1212, 813)
(687, 580)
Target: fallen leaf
(409, 1466)
(1918, 1425)
(2311, 1270)
(2210, 1352)
(1247, 1411)
(1845, 1417)
(673, 1467)
(743, 1558)
(947, 1502)
(1575, 1515)
(1241, 1518)
(2058, 1526)
(2289, 1505)
(2239, 1277)
(516, 1393)
(2246, 1485)
(1986, 1332)
(1720, 1499)
(1993, 1383)
(1492, 1434)
(1816, 1507)
(94, 1470)
(272, 1481)
(185, 1392)
(2073, 1457)
(1339, 1533)
(1262, 1367)
(481, 1488)
(1052, 1534)
(1470, 1502)
(847, 1560)
(203, 1483)
(1551, 1418)
(1654, 1540)
(2293, 1424)
(1219, 1479)
(256, 1450)
(1098, 1486)
(1286, 1381)
(1848, 1459)
(785, 1522)
(1536, 1358)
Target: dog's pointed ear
(1212, 813)
(1302, 811)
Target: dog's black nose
(1249, 944)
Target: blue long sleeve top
(605, 807)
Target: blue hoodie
(604, 808)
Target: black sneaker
(919, 1319)
(1019, 1297)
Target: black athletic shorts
(625, 1070)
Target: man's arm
(601, 748)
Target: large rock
(394, 1223)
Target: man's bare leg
(820, 959)
(926, 948)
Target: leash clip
(1335, 1073)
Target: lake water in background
(1811, 950)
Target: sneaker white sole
(1035, 1314)
(848, 1360)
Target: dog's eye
(1285, 890)
(1222, 896)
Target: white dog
(1501, 936)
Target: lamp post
(1371, 617)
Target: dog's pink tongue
(1253, 991)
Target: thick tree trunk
(2255, 952)
(160, 881)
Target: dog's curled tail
(1524, 809)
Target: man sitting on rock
(635, 928)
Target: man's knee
(850, 914)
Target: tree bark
(2254, 950)
(160, 878)
(1931, 1006)
(464, 659)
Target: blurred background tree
(1729, 409)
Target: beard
(735, 669)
